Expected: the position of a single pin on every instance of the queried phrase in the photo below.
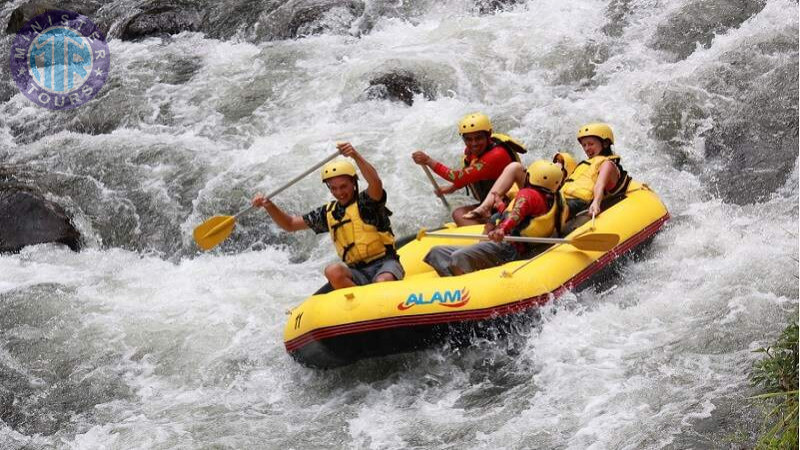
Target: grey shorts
(366, 274)
(449, 260)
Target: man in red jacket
(483, 162)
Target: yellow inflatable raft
(422, 310)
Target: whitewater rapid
(141, 341)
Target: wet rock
(576, 65)
(26, 218)
(677, 116)
(699, 21)
(400, 86)
(755, 139)
(299, 18)
(617, 12)
(7, 90)
(744, 116)
(160, 21)
(25, 12)
(493, 6)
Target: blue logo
(59, 60)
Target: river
(142, 341)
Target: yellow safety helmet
(474, 122)
(567, 160)
(337, 168)
(601, 130)
(545, 174)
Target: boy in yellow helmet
(358, 223)
(534, 213)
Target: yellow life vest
(545, 224)
(581, 183)
(356, 241)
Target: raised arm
(374, 183)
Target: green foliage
(777, 374)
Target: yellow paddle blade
(213, 231)
(595, 242)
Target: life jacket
(480, 189)
(545, 224)
(581, 182)
(356, 241)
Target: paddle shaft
(536, 240)
(435, 186)
(291, 182)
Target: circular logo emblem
(60, 59)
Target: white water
(152, 345)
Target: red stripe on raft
(479, 314)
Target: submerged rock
(745, 119)
(25, 12)
(697, 22)
(493, 6)
(26, 218)
(160, 21)
(298, 18)
(399, 86)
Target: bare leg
(339, 275)
(384, 276)
(513, 173)
(460, 220)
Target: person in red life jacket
(485, 157)
(532, 213)
(599, 175)
(515, 173)
(358, 223)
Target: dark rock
(298, 18)
(26, 218)
(27, 11)
(160, 21)
(493, 6)
(699, 21)
(577, 65)
(617, 12)
(400, 86)
(221, 20)
(745, 112)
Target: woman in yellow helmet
(358, 223)
(533, 213)
(600, 174)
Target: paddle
(593, 242)
(216, 229)
(435, 186)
